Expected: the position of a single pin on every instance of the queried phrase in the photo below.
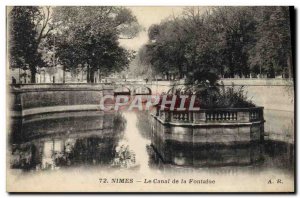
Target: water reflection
(177, 150)
(55, 141)
(128, 140)
(170, 151)
(198, 155)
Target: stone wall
(204, 146)
(277, 98)
(236, 133)
(275, 95)
(43, 98)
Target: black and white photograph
(195, 99)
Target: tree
(164, 52)
(272, 51)
(183, 45)
(235, 27)
(22, 42)
(222, 42)
(140, 65)
(89, 35)
(28, 26)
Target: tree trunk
(64, 74)
(99, 76)
(88, 74)
(33, 74)
(290, 66)
(92, 75)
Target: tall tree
(272, 51)
(234, 28)
(90, 35)
(183, 45)
(28, 26)
(222, 41)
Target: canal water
(131, 141)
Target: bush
(224, 97)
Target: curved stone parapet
(33, 99)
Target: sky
(147, 16)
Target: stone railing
(224, 115)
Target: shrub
(224, 97)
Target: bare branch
(130, 37)
(46, 19)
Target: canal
(131, 143)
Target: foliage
(89, 36)
(28, 26)
(234, 28)
(272, 51)
(224, 97)
(71, 36)
(139, 66)
(204, 45)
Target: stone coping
(57, 87)
(208, 123)
(52, 109)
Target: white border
(4, 3)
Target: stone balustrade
(212, 126)
(221, 115)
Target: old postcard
(150, 99)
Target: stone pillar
(243, 116)
(168, 116)
(199, 117)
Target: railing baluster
(213, 115)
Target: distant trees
(139, 66)
(222, 42)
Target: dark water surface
(127, 140)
